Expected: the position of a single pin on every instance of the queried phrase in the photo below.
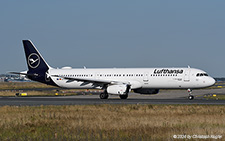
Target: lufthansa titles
(168, 71)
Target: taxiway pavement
(164, 97)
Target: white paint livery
(137, 78)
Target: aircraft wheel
(190, 97)
(104, 95)
(124, 96)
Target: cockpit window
(201, 74)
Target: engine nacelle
(118, 89)
(146, 91)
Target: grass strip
(110, 122)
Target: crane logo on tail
(33, 60)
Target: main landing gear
(190, 97)
(124, 96)
(104, 95)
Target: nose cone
(211, 81)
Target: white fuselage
(157, 78)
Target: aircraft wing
(89, 80)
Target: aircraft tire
(124, 96)
(103, 96)
(190, 97)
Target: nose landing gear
(190, 97)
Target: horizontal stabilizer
(24, 73)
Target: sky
(115, 34)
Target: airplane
(114, 81)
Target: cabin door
(145, 78)
(187, 75)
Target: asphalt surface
(164, 97)
(37, 101)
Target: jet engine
(118, 89)
(146, 91)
